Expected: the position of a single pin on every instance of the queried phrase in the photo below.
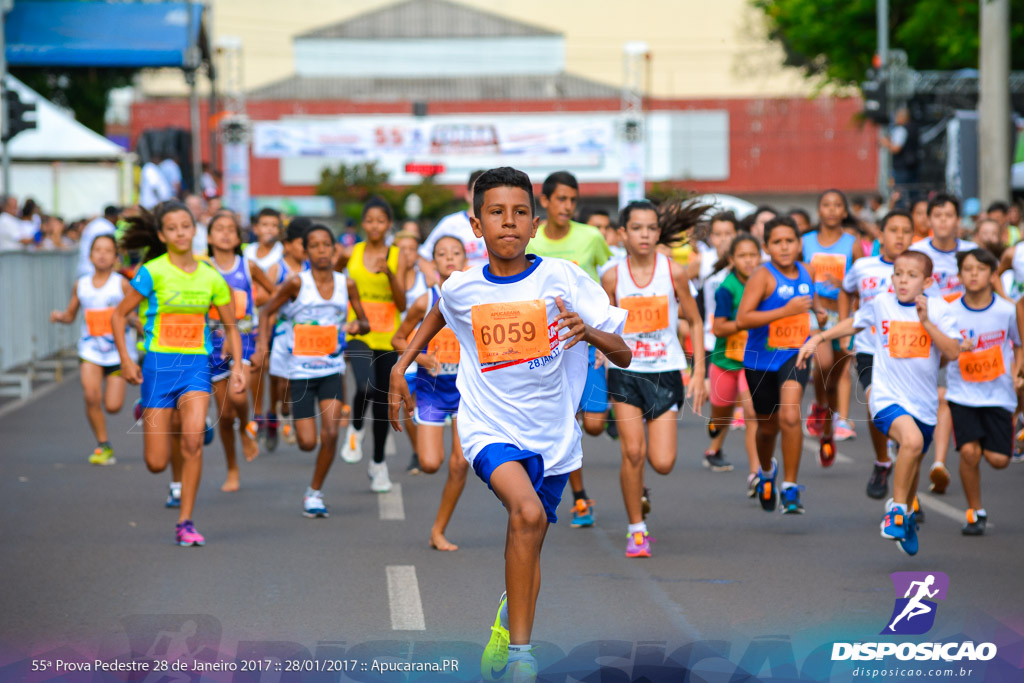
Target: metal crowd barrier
(31, 347)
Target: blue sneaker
(582, 514)
(909, 544)
(766, 489)
(173, 497)
(789, 501)
(208, 433)
(893, 524)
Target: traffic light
(18, 115)
(876, 99)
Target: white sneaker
(380, 482)
(892, 448)
(352, 447)
(389, 445)
(313, 504)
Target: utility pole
(5, 7)
(636, 57)
(882, 28)
(192, 63)
(994, 102)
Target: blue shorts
(549, 489)
(595, 391)
(884, 418)
(220, 366)
(436, 398)
(410, 379)
(166, 377)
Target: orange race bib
(97, 321)
(182, 330)
(982, 366)
(790, 332)
(513, 331)
(445, 346)
(241, 300)
(381, 315)
(908, 340)
(315, 340)
(826, 265)
(735, 344)
(646, 313)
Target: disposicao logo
(914, 612)
(912, 615)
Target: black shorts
(865, 361)
(108, 370)
(991, 425)
(654, 393)
(306, 394)
(765, 385)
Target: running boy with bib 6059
(518, 321)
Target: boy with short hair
(561, 237)
(266, 253)
(942, 248)
(869, 277)
(912, 333)
(981, 392)
(521, 379)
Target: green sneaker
(103, 455)
(495, 657)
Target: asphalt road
(90, 569)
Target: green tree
(835, 39)
(351, 186)
(83, 91)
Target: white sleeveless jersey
(311, 355)
(275, 254)
(651, 331)
(96, 343)
(418, 289)
(1015, 288)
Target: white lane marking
(404, 597)
(390, 504)
(811, 446)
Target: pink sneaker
(843, 430)
(737, 419)
(638, 545)
(187, 534)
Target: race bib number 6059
(513, 331)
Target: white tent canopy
(57, 136)
(68, 169)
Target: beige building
(698, 48)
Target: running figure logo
(914, 612)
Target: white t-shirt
(10, 232)
(172, 172)
(456, 225)
(654, 350)
(994, 326)
(92, 230)
(711, 284)
(944, 270)
(273, 256)
(529, 403)
(867, 278)
(618, 253)
(153, 186)
(911, 383)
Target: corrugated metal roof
(561, 86)
(427, 19)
